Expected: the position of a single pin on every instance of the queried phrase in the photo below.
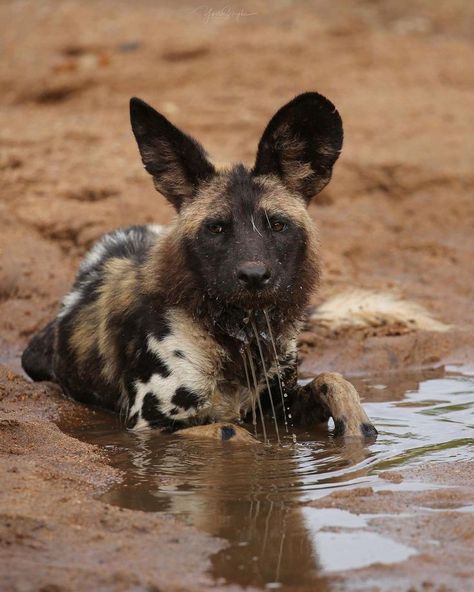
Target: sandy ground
(437, 523)
(54, 535)
(397, 216)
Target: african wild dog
(171, 325)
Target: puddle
(341, 551)
(349, 549)
(253, 497)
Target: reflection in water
(252, 495)
(353, 550)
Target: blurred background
(397, 216)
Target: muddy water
(255, 497)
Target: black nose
(253, 275)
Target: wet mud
(293, 515)
(87, 506)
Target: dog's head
(246, 234)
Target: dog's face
(246, 238)
(246, 234)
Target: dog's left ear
(301, 144)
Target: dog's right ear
(177, 162)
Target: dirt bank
(53, 534)
(397, 216)
(437, 522)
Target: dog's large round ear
(177, 162)
(301, 143)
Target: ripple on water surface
(253, 496)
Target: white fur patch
(195, 370)
(69, 302)
(116, 237)
(194, 360)
(99, 250)
(156, 228)
(163, 389)
(364, 308)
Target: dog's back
(80, 315)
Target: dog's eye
(215, 228)
(277, 225)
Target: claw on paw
(342, 402)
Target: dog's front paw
(341, 400)
(219, 431)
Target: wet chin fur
(245, 300)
